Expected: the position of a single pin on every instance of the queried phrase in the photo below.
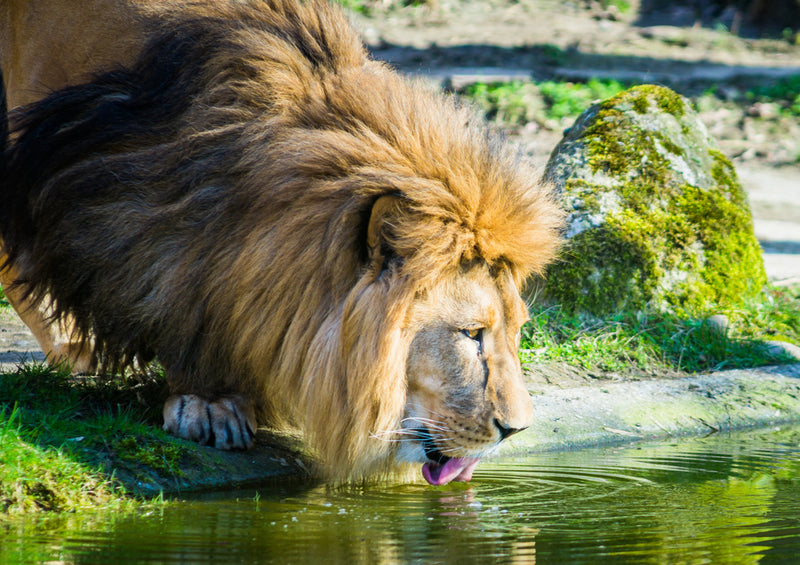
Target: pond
(720, 499)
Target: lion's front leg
(58, 340)
(226, 423)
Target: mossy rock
(657, 217)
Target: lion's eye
(474, 333)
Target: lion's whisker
(428, 423)
(423, 420)
(395, 440)
(394, 432)
(431, 411)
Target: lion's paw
(226, 423)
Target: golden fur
(288, 223)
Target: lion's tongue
(455, 469)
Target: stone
(778, 349)
(657, 217)
(719, 323)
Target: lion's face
(465, 389)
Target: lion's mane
(209, 207)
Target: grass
(624, 6)
(552, 104)
(34, 478)
(63, 440)
(367, 7)
(785, 92)
(548, 103)
(652, 342)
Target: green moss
(161, 456)
(624, 261)
(733, 269)
(673, 148)
(610, 289)
(702, 237)
(641, 98)
(641, 104)
(616, 148)
(669, 101)
(725, 177)
(645, 237)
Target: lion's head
(465, 390)
(270, 213)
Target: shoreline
(604, 413)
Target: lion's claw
(226, 423)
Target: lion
(300, 236)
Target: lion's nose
(505, 431)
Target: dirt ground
(455, 42)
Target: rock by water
(657, 217)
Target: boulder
(657, 217)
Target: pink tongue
(456, 469)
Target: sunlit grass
(651, 341)
(785, 92)
(547, 103)
(552, 104)
(35, 477)
(62, 440)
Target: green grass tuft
(62, 438)
(653, 342)
(37, 477)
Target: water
(721, 499)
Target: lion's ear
(383, 210)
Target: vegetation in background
(785, 92)
(547, 103)
(551, 103)
(622, 5)
(367, 7)
(652, 341)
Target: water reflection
(725, 499)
